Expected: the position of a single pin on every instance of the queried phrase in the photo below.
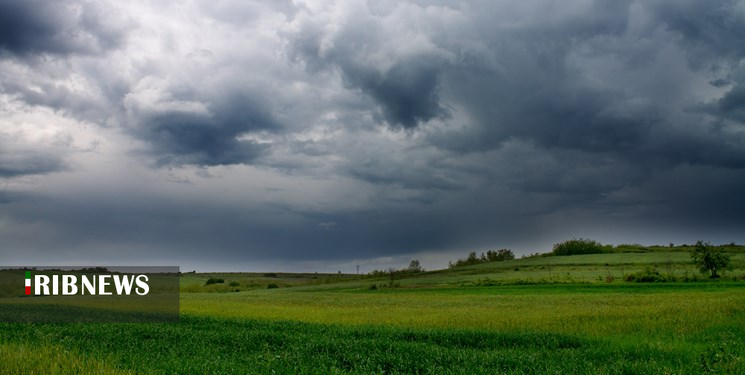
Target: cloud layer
(230, 132)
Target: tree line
(489, 256)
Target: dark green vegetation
(209, 345)
(577, 247)
(57, 313)
(489, 256)
(214, 280)
(543, 314)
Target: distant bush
(212, 280)
(648, 275)
(489, 256)
(272, 286)
(392, 273)
(632, 248)
(234, 283)
(577, 246)
(372, 287)
(270, 274)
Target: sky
(321, 135)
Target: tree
(392, 272)
(414, 266)
(499, 255)
(709, 259)
(472, 258)
(489, 256)
(505, 254)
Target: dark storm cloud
(407, 93)
(18, 158)
(535, 90)
(210, 138)
(592, 96)
(732, 105)
(714, 193)
(587, 131)
(169, 228)
(708, 29)
(34, 26)
(183, 138)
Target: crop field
(571, 319)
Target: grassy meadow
(540, 315)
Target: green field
(543, 315)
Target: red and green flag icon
(28, 283)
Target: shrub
(270, 274)
(372, 287)
(577, 246)
(234, 283)
(272, 286)
(212, 280)
(489, 256)
(648, 275)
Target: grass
(434, 322)
(24, 358)
(215, 345)
(586, 329)
(550, 308)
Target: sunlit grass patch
(42, 359)
(592, 310)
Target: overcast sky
(313, 135)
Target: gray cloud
(28, 27)
(406, 88)
(523, 123)
(182, 138)
(407, 93)
(209, 137)
(708, 30)
(26, 164)
(19, 158)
